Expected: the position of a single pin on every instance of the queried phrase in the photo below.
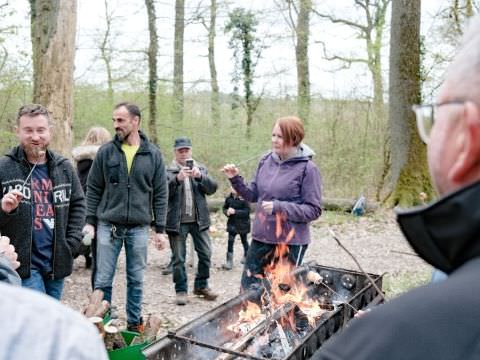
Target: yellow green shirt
(130, 151)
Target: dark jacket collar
(143, 142)
(446, 233)
(18, 154)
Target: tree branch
(380, 292)
(334, 20)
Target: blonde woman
(83, 156)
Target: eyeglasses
(425, 117)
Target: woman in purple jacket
(287, 190)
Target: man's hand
(8, 251)
(160, 241)
(184, 173)
(230, 211)
(11, 200)
(196, 173)
(89, 229)
(267, 207)
(230, 170)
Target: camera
(189, 163)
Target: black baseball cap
(182, 142)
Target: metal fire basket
(206, 337)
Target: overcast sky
(276, 68)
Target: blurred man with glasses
(441, 320)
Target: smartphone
(189, 163)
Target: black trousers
(231, 240)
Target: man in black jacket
(43, 206)
(126, 187)
(437, 321)
(188, 183)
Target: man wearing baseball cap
(188, 184)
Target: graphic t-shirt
(43, 219)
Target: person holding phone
(188, 185)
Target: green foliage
(347, 145)
(243, 25)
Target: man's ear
(468, 160)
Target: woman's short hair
(97, 135)
(292, 130)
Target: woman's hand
(230, 170)
(267, 207)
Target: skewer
(37, 153)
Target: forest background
(221, 72)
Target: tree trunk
(53, 26)
(178, 61)
(247, 84)
(301, 53)
(409, 168)
(106, 53)
(152, 70)
(215, 98)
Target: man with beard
(126, 188)
(42, 206)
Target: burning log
(243, 341)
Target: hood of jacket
(84, 152)
(303, 153)
(446, 233)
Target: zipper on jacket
(31, 222)
(54, 242)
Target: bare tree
(409, 171)
(5, 30)
(53, 27)
(215, 98)
(106, 50)
(301, 53)
(152, 70)
(371, 31)
(297, 15)
(210, 26)
(178, 100)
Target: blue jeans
(260, 254)
(41, 283)
(109, 244)
(201, 242)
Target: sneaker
(207, 294)
(181, 298)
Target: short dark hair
(132, 109)
(32, 110)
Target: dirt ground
(375, 241)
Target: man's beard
(122, 136)
(35, 151)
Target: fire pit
(278, 320)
